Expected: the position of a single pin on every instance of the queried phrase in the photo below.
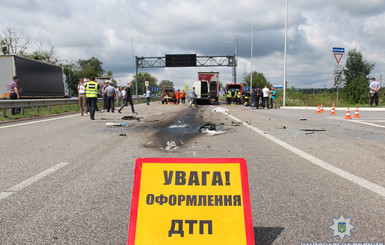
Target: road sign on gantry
(191, 201)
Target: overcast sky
(109, 29)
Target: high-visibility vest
(92, 89)
(239, 95)
(229, 94)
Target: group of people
(258, 98)
(88, 93)
(180, 97)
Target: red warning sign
(191, 201)
(338, 57)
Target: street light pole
(235, 60)
(251, 52)
(285, 56)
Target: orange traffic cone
(322, 107)
(356, 115)
(348, 114)
(333, 110)
(318, 110)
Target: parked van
(168, 95)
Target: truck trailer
(207, 88)
(36, 79)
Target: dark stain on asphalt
(176, 131)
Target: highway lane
(87, 199)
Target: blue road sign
(154, 89)
(338, 50)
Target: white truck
(207, 88)
(36, 79)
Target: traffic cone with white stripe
(322, 107)
(356, 115)
(348, 114)
(318, 110)
(333, 110)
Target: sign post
(191, 201)
(338, 69)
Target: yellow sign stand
(191, 201)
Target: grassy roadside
(55, 110)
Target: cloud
(109, 29)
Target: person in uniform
(228, 99)
(183, 96)
(178, 96)
(92, 91)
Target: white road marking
(39, 121)
(342, 173)
(365, 122)
(31, 180)
(368, 123)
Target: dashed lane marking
(14, 189)
(38, 121)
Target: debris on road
(212, 132)
(210, 129)
(208, 126)
(112, 124)
(307, 130)
(235, 123)
(131, 118)
(220, 109)
(171, 146)
(179, 126)
(122, 134)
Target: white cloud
(105, 29)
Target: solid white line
(31, 180)
(365, 122)
(369, 124)
(342, 173)
(39, 121)
(4, 195)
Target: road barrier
(9, 104)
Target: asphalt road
(68, 180)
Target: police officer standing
(92, 91)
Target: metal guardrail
(8, 104)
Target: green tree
(72, 76)
(92, 67)
(356, 74)
(142, 78)
(166, 83)
(259, 80)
